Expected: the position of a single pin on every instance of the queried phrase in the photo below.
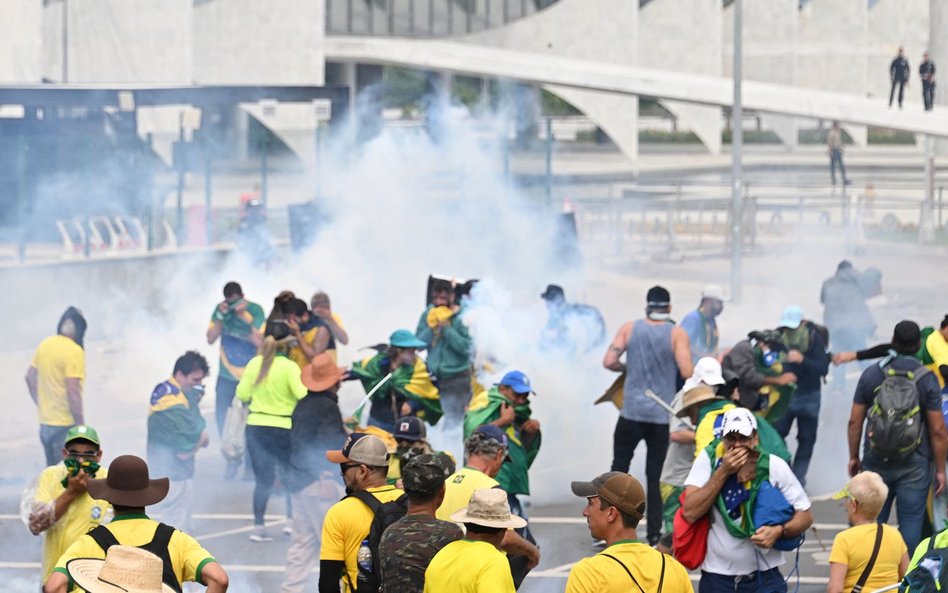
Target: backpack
(931, 573)
(157, 546)
(894, 424)
(824, 335)
(369, 579)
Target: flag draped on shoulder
(416, 384)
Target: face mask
(196, 393)
(768, 357)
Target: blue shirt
(702, 333)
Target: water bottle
(364, 559)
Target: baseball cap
(402, 338)
(517, 381)
(708, 371)
(713, 291)
(494, 433)
(409, 428)
(424, 474)
(618, 489)
(553, 292)
(658, 296)
(791, 317)
(739, 420)
(361, 448)
(84, 432)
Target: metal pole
(65, 41)
(549, 162)
(737, 141)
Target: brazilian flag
(774, 399)
(416, 384)
(485, 408)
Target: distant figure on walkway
(834, 146)
(926, 71)
(899, 75)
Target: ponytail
(268, 351)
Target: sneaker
(259, 534)
(287, 531)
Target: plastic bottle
(364, 558)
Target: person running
(271, 384)
(59, 501)
(411, 390)
(176, 433)
(657, 354)
(238, 323)
(475, 564)
(615, 503)
(854, 548)
(409, 544)
(130, 489)
(54, 380)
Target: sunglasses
(81, 455)
(347, 466)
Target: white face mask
(656, 316)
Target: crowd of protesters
(376, 508)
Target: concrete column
(938, 49)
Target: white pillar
(938, 53)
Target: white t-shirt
(727, 554)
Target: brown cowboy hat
(321, 373)
(696, 395)
(128, 484)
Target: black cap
(907, 337)
(844, 265)
(553, 292)
(409, 428)
(658, 296)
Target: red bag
(690, 540)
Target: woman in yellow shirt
(271, 384)
(865, 494)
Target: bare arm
(214, 331)
(903, 565)
(838, 572)
(681, 347)
(31, 380)
(698, 501)
(214, 577)
(938, 435)
(515, 545)
(56, 583)
(856, 417)
(326, 315)
(683, 436)
(74, 395)
(616, 348)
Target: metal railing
(424, 18)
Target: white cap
(707, 371)
(713, 291)
(739, 420)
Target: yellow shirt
(853, 548)
(187, 555)
(346, 524)
(938, 349)
(83, 514)
(272, 401)
(599, 574)
(458, 489)
(467, 566)
(57, 358)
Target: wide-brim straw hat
(128, 484)
(489, 507)
(125, 569)
(696, 395)
(321, 373)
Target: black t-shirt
(929, 394)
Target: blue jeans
(767, 581)
(805, 409)
(908, 483)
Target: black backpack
(923, 578)
(157, 546)
(894, 424)
(385, 513)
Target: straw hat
(489, 507)
(126, 569)
(696, 395)
(321, 373)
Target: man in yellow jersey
(54, 380)
(346, 552)
(475, 564)
(485, 453)
(130, 489)
(615, 505)
(60, 505)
